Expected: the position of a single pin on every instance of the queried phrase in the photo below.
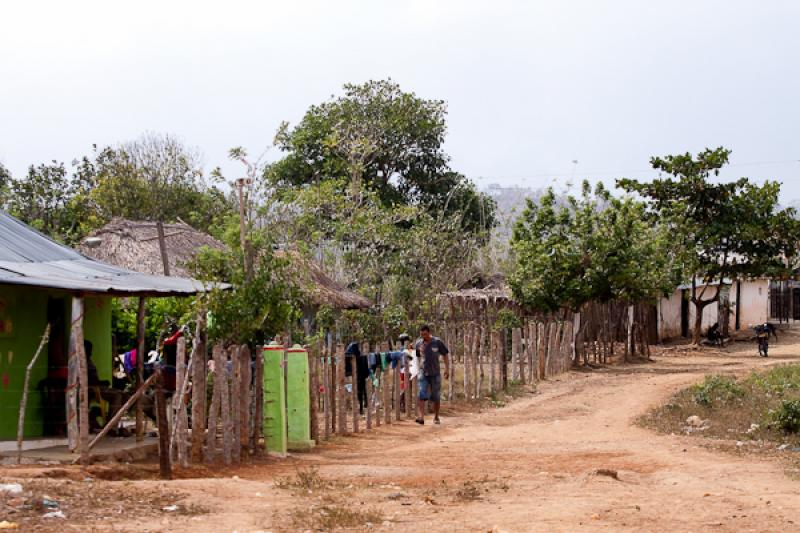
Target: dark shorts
(430, 387)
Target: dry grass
(746, 410)
(333, 517)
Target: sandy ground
(530, 466)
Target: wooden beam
(127, 405)
(162, 246)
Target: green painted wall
(97, 330)
(275, 436)
(298, 401)
(23, 314)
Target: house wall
(669, 316)
(23, 313)
(754, 307)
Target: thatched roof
(320, 287)
(134, 245)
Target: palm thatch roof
(319, 286)
(134, 245)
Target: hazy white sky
(531, 85)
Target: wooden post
(313, 385)
(247, 398)
(164, 466)
(387, 380)
(83, 378)
(467, 337)
(368, 384)
(162, 246)
(516, 344)
(216, 402)
(341, 400)
(140, 355)
(24, 401)
(180, 419)
(258, 412)
(73, 376)
(334, 385)
(236, 404)
(199, 368)
(407, 384)
(225, 409)
(326, 394)
(354, 395)
(396, 389)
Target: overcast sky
(531, 85)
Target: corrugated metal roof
(28, 257)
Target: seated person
(101, 388)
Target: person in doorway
(429, 349)
(101, 388)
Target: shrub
(787, 416)
(715, 389)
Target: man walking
(429, 349)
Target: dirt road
(531, 466)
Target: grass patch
(474, 489)
(306, 480)
(763, 406)
(332, 517)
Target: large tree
(377, 137)
(155, 177)
(727, 230)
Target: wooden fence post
(396, 389)
(199, 368)
(326, 394)
(216, 402)
(341, 400)
(236, 404)
(313, 384)
(258, 396)
(387, 380)
(368, 384)
(225, 408)
(246, 391)
(355, 408)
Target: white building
(745, 302)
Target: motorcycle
(762, 338)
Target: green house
(39, 279)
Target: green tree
(377, 137)
(726, 231)
(155, 177)
(49, 199)
(594, 248)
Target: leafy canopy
(727, 230)
(382, 139)
(595, 247)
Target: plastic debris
(54, 514)
(49, 503)
(170, 508)
(8, 525)
(11, 488)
